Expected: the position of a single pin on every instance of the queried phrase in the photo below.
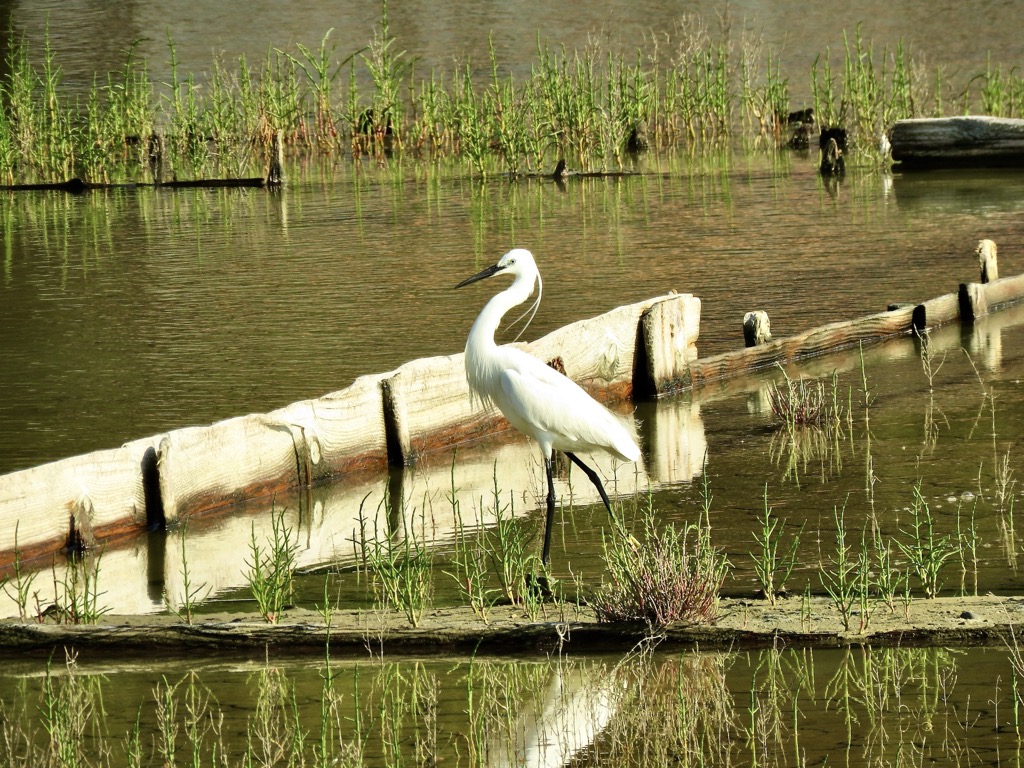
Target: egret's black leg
(597, 484)
(551, 511)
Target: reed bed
(696, 87)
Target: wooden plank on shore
(966, 141)
(817, 341)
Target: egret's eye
(511, 262)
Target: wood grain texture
(100, 494)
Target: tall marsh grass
(694, 87)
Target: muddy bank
(959, 621)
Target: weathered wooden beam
(817, 341)
(76, 501)
(957, 142)
(978, 299)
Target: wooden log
(967, 141)
(427, 402)
(75, 502)
(206, 468)
(987, 260)
(341, 432)
(817, 341)
(936, 312)
(757, 328)
(978, 299)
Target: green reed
(191, 594)
(690, 88)
(398, 564)
(271, 568)
(18, 586)
(772, 567)
(926, 550)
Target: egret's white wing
(553, 404)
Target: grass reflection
(859, 706)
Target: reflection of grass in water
(770, 707)
(810, 418)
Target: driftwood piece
(966, 141)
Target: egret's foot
(541, 586)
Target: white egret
(535, 398)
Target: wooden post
(156, 158)
(757, 329)
(987, 260)
(275, 174)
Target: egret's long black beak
(492, 270)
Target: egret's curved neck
(489, 319)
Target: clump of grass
(672, 574)
(398, 565)
(690, 88)
(271, 568)
(801, 403)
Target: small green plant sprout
(772, 568)
(839, 575)
(76, 593)
(271, 568)
(19, 586)
(673, 575)
(191, 594)
(469, 560)
(926, 551)
(399, 565)
(930, 362)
